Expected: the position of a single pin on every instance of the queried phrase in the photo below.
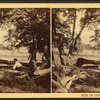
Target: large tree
(60, 32)
(69, 17)
(29, 27)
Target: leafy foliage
(28, 28)
(96, 37)
(69, 17)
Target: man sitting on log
(17, 64)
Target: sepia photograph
(76, 50)
(24, 50)
(49, 50)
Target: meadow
(10, 55)
(87, 54)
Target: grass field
(10, 55)
(87, 54)
(22, 55)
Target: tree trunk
(33, 51)
(80, 31)
(73, 33)
(46, 52)
(74, 25)
(84, 24)
(60, 55)
(70, 49)
(33, 55)
(34, 48)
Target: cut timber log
(11, 62)
(42, 72)
(57, 84)
(63, 82)
(14, 71)
(82, 61)
(96, 71)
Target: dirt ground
(11, 82)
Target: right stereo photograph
(76, 50)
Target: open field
(21, 55)
(88, 54)
(10, 55)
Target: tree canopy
(68, 25)
(28, 27)
(67, 19)
(96, 38)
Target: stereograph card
(49, 50)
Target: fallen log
(57, 84)
(82, 61)
(23, 76)
(94, 70)
(14, 71)
(11, 62)
(42, 72)
(63, 82)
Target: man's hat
(15, 59)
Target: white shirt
(17, 65)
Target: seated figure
(17, 64)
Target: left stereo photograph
(24, 50)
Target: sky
(86, 36)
